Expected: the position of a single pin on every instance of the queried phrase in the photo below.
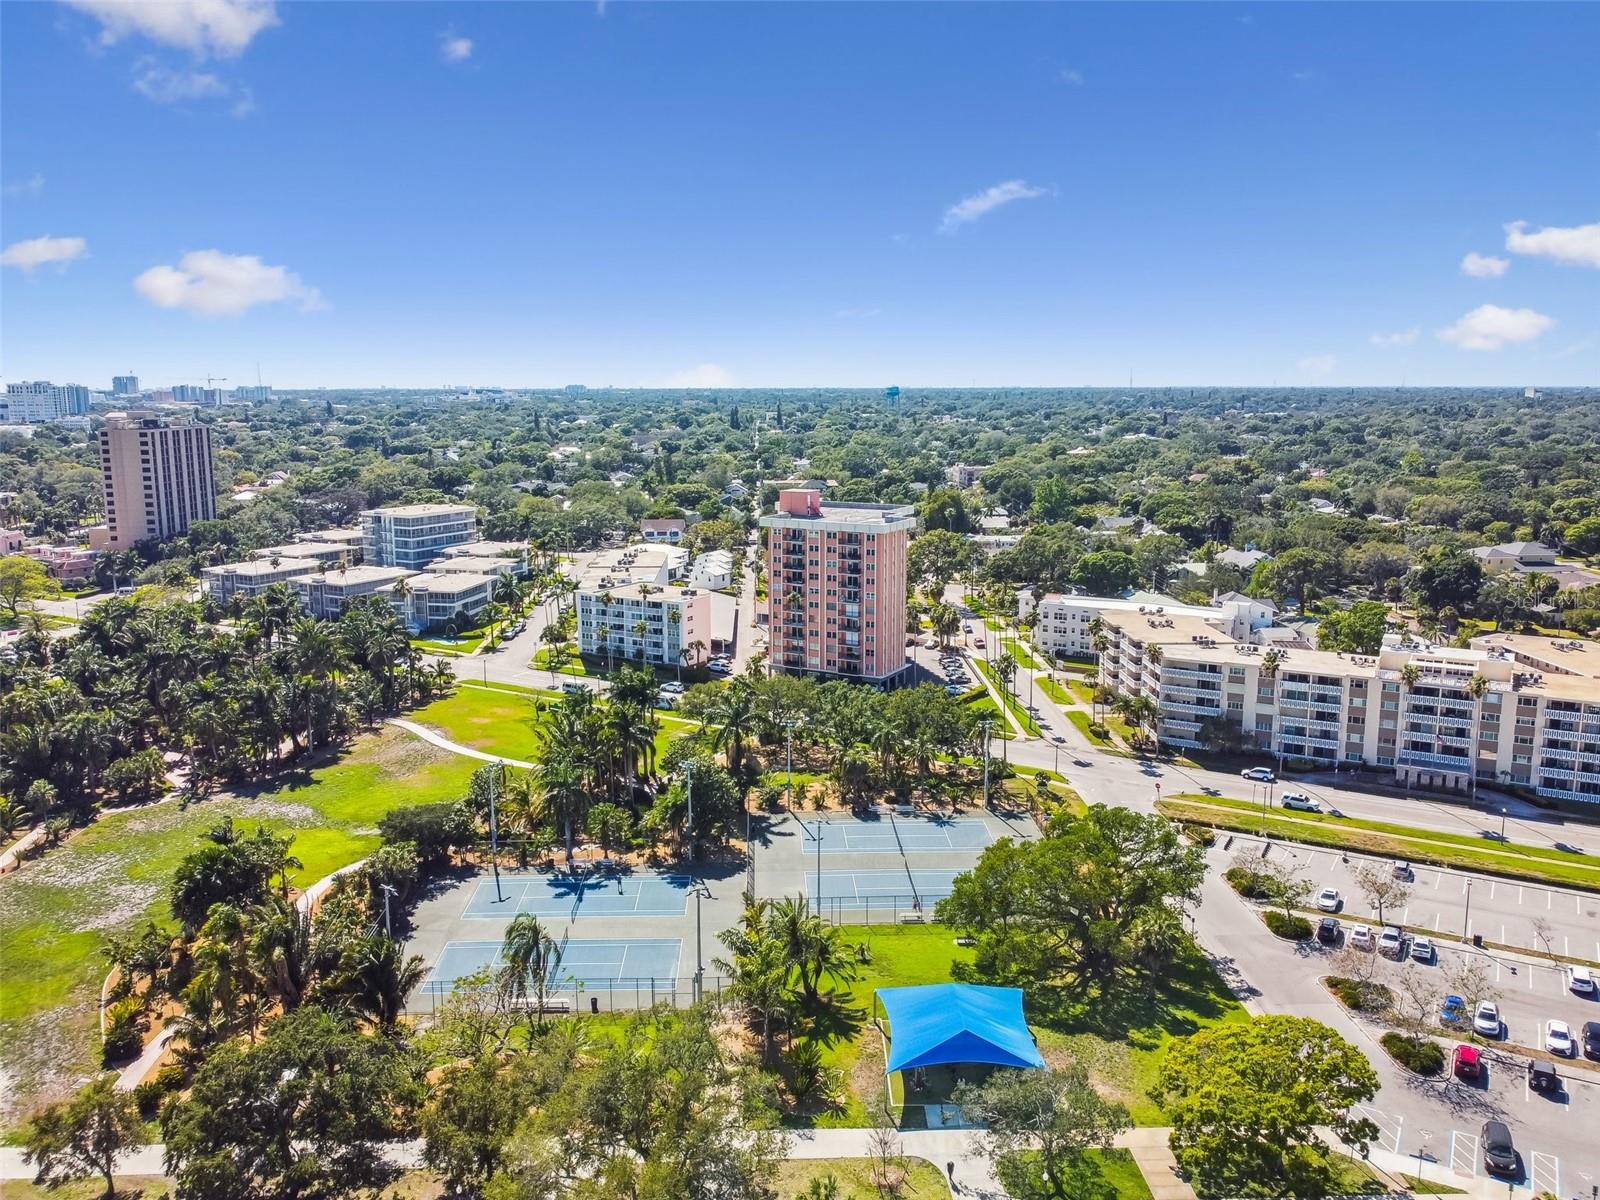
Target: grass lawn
(1082, 691)
(1427, 1187)
(854, 1176)
(571, 665)
(1115, 1169)
(1054, 690)
(1013, 705)
(983, 704)
(464, 643)
(1020, 652)
(1081, 722)
(494, 721)
(56, 912)
(1120, 1041)
(1546, 865)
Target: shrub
(1250, 884)
(123, 1039)
(1096, 729)
(433, 829)
(1292, 927)
(1360, 995)
(1200, 835)
(1419, 1056)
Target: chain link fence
(591, 996)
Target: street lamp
(494, 831)
(1502, 824)
(688, 777)
(699, 953)
(387, 890)
(1466, 916)
(1422, 1149)
(819, 866)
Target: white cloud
(1484, 266)
(1404, 338)
(455, 49)
(1072, 75)
(36, 252)
(1578, 246)
(212, 284)
(31, 186)
(986, 201)
(221, 27)
(706, 375)
(166, 86)
(1489, 327)
(1317, 364)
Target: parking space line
(1519, 894)
(1438, 878)
(1436, 919)
(1491, 889)
(1463, 1152)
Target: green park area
(1013, 705)
(1536, 863)
(1020, 651)
(57, 913)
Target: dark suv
(1499, 1154)
(1589, 1037)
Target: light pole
(1422, 1148)
(688, 776)
(699, 954)
(819, 866)
(1502, 824)
(494, 831)
(387, 890)
(1466, 916)
(788, 754)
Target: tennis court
(860, 889)
(587, 962)
(893, 834)
(593, 896)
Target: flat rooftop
(422, 510)
(263, 566)
(892, 515)
(449, 584)
(1167, 627)
(355, 576)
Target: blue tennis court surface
(860, 888)
(889, 835)
(564, 896)
(590, 963)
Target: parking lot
(1530, 917)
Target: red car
(1467, 1063)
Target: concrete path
(444, 743)
(132, 1075)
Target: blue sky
(832, 194)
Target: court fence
(908, 908)
(590, 997)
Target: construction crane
(214, 379)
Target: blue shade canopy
(943, 1023)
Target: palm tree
(734, 714)
(531, 957)
(375, 977)
(561, 776)
(1006, 668)
(1477, 688)
(640, 628)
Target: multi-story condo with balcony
(836, 586)
(329, 554)
(434, 600)
(413, 535)
(1514, 711)
(156, 474)
(246, 579)
(669, 626)
(1064, 625)
(327, 593)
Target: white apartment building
(1065, 624)
(246, 579)
(1516, 711)
(638, 563)
(413, 535)
(434, 600)
(712, 570)
(676, 624)
(33, 402)
(326, 593)
(329, 554)
(473, 564)
(514, 552)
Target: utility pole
(699, 955)
(387, 890)
(494, 831)
(788, 793)
(819, 866)
(1466, 915)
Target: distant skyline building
(156, 472)
(253, 393)
(837, 586)
(37, 401)
(124, 385)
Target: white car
(1422, 950)
(1558, 1038)
(1259, 774)
(1300, 802)
(1486, 1019)
(1361, 938)
(1581, 980)
(1391, 943)
(1328, 899)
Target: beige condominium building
(156, 473)
(256, 575)
(1509, 710)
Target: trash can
(594, 1005)
(1477, 940)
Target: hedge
(1294, 928)
(1359, 995)
(1248, 883)
(1419, 1057)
